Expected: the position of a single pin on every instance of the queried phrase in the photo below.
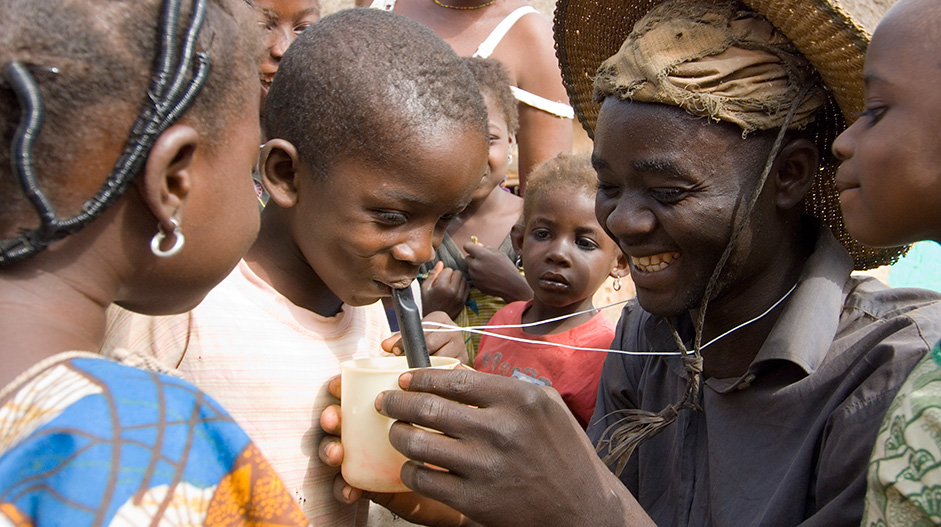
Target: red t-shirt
(573, 373)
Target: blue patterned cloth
(85, 441)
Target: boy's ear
(620, 266)
(516, 236)
(797, 166)
(279, 167)
(168, 173)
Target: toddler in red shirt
(566, 256)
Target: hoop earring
(617, 283)
(179, 240)
(519, 262)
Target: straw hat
(833, 35)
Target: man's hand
(409, 505)
(509, 453)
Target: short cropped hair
(365, 84)
(571, 172)
(93, 59)
(494, 82)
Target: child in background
(516, 34)
(282, 21)
(87, 441)
(377, 137)
(567, 256)
(890, 191)
(473, 272)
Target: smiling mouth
(654, 263)
(842, 186)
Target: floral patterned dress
(85, 441)
(904, 480)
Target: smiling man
(710, 153)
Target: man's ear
(279, 167)
(796, 167)
(168, 173)
(516, 236)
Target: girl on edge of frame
(151, 222)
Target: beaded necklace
(462, 8)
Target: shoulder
(597, 330)
(511, 313)
(164, 338)
(631, 324)
(884, 332)
(871, 297)
(528, 44)
(891, 314)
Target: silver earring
(178, 240)
(509, 159)
(617, 283)
(519, 262)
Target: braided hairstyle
(369, 84)
(73, 73)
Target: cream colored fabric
(716, 61)
(267, 361)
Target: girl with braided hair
(132, 129)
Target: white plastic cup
(369, 460)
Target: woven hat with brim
(832, 35)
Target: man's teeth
(654, 263)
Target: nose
(843, 145)
(559, 251)
(418, 247)
(279, 41)
(628, 219)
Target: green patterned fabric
(904, 481)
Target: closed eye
(873, 115)
(391, 217)
(668, 194)
(607, 191)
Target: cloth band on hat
(713, 60)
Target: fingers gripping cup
(369, 460)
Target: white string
(743, 324)
(482, 330)
(437, 327)
(548, 320)
(452, 328)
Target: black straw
(413, 337)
